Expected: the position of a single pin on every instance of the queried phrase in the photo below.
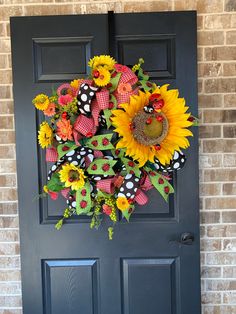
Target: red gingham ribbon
(146, 184)
(86, 81)
(140, 197)
(106, 185)
(84, 125)
(51, 154)
(100, 103)
(128, 76)
(65, 192)
(124, 98)
(98, 154)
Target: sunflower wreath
(112, 137)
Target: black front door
(146, 268)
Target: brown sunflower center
(153, 129)
(149, 129)
(73, 176)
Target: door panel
(143, 288)
(145, 269)
(71, 286)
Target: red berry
(105, 167)
(109, 85)
(71, 179)
(152, 173)
(65, 148)
(96, 73)
(111, 105)
(94, 167)
(83, 204)
(114, 74)
(83, 192)
(117, 152)
(160, 181)
(131, 172)
(149, 84)
(130, 201)
(64, 115)
(157, 147)
(105, 141)
(95, 143)
(166, 189)
(89, 134)
(191, 119)
(131, 163)
(149, 121)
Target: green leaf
(142, 76)
(144, 85)
(128, 212)
(160, 183)
(81, 198)
(114, 81)
(195, 121)
(110, 233)
(127, 162)
(97, 142)
(107, 114)
(98, 165)
(61, 152)
(55, 184)
(113, 100)
(121, 152)
(59, 224)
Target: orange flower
(64, 129)
(124, 88)
(50, 111)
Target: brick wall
(217, 103)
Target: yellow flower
(122, 203)
(72, 176)
(41, 101)
(157, 135)
(137, 66)
(45, 189)
(107, 61)
(103, 76)
(45, 135)
(76, 83)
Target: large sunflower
(72, 176)
(154, 133)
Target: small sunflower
(105, 61)
(45, 135)
(153, 135)
(122, 203)
(101, 76)
(72, 176)
(41, 101)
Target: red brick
(223, 146)
(209, 38)
(220, 85)
(220, 53)
(220, 203)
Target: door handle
(186, 238)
